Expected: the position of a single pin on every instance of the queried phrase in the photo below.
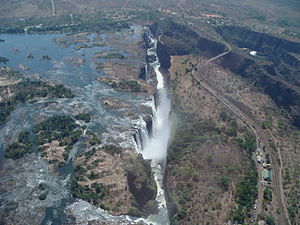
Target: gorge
(161, 122)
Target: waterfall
(154, 147)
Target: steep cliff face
(142, 186)
(283, 54)
(246, 38)
(176, 39)
(277, 73)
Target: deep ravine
(154, 146)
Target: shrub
(84, 117)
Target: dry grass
(216, 156)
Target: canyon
(142, 116)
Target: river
(20, 178)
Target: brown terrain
(110, 171)
(224, 122)
(213, 156)
(212, 88)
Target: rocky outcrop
(115, 179)
(141, 185)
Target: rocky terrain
(274, 71)
(76, 123)
(205, 90)
(116, 180)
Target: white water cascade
(154, 147)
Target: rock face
(176, 39)
(282, 54)
(276, 71)
(141, 183)
(276, 74)
(194, 164)
(115, 179)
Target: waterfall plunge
(155, 147)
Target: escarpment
(177, 39)
(273, 71)
(276, 69)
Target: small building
(267, 174)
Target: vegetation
(27, 90)
(42, 186)
(93, 194)
(142, 186)
(190, 137)
(247, 189)
(60, 128)
(182, 40)
(267, 195)
(184, 155)
(112, 149)
(92, 22)
(110, 55)
(246, 194)
(99, 66)
(21, 147)
(43, 196)
(130, 85)
(225, 181)
(92, 138)
(270, 220)
(46, 57)
(84, 117)
(248, 143)
(266, 124)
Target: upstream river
(39, 55)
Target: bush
(133, 211)
(43, 196)
(42, 186)
(237, 215)
(247, 189)
(267, 194)
(27, 90)
(248, 144)
(224, 181)
(112, 149)
(87, 193)
(19, 148)
(84, 117)
(270, 220)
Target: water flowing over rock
(154, 147)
